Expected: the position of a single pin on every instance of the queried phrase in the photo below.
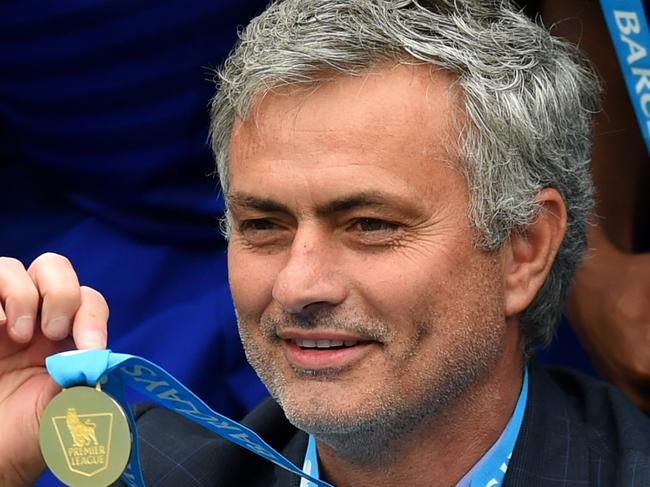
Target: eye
(263, 233)
(375, 225)
(257, 224)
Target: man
(407, 190)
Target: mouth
(316, 352)
(324, 344)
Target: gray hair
(529, 99)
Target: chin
(319, 416)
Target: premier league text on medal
(86, 453)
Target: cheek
(433, 296)
(251, 283)
(406, 286)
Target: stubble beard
(370, 434)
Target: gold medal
(85, 437)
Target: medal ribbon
(115, 371)
(628, 28)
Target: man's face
(362, 303)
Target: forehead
(397, 124)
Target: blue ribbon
(115, 371)
(628, 27)
(493, 471)
(310, 465)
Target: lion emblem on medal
(83, 432)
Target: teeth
(307, 343)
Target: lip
(315, 358)
(289, 335)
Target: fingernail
(23, 327)
(92, 339)
(58, 328)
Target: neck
(438, 450)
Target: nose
(311, 278)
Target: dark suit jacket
(577, 432)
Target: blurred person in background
(609, 308)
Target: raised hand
(43, 310)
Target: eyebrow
(367, 199)
(243, 200)
(364, 199)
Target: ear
(529, 254)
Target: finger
(19, 298)
(58, 286)
(3, 315)
(90, 323)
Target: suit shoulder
(615, 422)
(579, 431)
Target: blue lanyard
(492, 472)
(310, 464)
(115, 371)
(493, 467)
(628, 28)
